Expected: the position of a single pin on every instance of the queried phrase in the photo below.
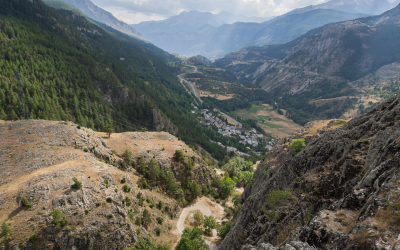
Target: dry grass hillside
(39, 160)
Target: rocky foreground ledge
(340, 192)
(38, 161)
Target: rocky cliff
(98, 14)
(339, 192)
(38, 161)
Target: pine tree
(171, 184)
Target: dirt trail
(206, 207)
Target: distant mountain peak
(96, 13)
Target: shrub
(131, 215)
(340, 123)
(33, 237)
(146, 218)
(6, 230)
(144, 185)
(126, 188)
(209, 223)
(191, 239)
(86, 211)
(77, 184)
(224, 230)
(198, 218)
(160, 220)
(138, 221)
(160, 205)
(128, 201)
(110, 216)
(25, 203)
(123, 180)
(109, 199)
(59, 218)
(98, 204)
(179, 156)
(85, 150)
(141, 201)
(127, 156)
(158, 231)
(138, 231)
(166, 208)
(297, 145)
(116, 190)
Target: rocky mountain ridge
(39, 160)
(96, 13)
(371, 7)
(339, 192)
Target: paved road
(229, 117)
(191, 85)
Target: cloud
(134, 11)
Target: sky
(136, 11)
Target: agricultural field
(270, 121)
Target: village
(247, 138)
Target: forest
(56, 65)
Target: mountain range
(96, 13)
(370, 7)
(325, 63)
(197, 33)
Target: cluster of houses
(251, 138)
(223, 128)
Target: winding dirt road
(206, 208)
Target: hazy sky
(135, 11)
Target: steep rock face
(345, 180)
(98, 14)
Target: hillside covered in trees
(72, 69)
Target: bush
(158, 231)
(131, 215)
(198, 218)
(297, 145)
(224, 230)
(160, 205)
(59, 218)
(138, 231)
(33, 237)
(179, 156)
(109, 199)
(191, 239)
(116, 190)
(98, 204)
(85, 150)
(123, 180)
(209, 223)
(110, 216)
(25, 203)
(146, 218)
(127, 156)
(160, 220)
(6, 230)
(143, 185)
(138, 221)
(77, 184)
(126, 188)
(86, 211)
(128, 201)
